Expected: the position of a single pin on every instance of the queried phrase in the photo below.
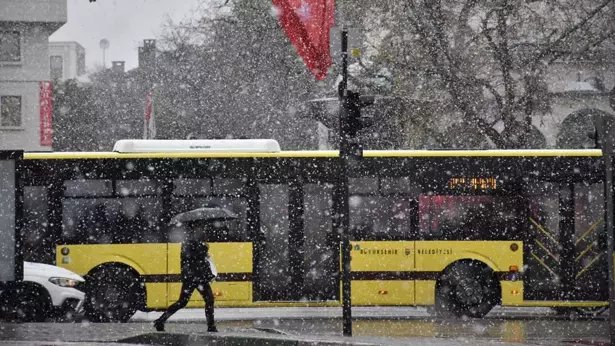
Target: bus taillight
(513, 273)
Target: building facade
(580, 89)
(25, 87)
(66, 60)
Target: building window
(10, 111)
(10, 46)
(80, 61)
(56, 66)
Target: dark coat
(194, 263)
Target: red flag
(149, 123)
(307, 24)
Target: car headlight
(64, 282)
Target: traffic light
(352, 121)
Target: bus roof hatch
(196, 145)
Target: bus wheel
(112, 295)
(466, 289)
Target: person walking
(196, 273)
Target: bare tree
(486, 58)
(249, 78)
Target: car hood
(46, 270)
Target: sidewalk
(371, 312)
(256, 338)
(393, 326)
(375, 326)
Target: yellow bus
(463, 230)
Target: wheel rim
(111, 298)
(466, 289)
(469, 292)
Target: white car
(46, 292)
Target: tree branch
(493, 91)
(505, 61)
(551, 47)
(587, 47)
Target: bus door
(295, 255)
(564, 252)
(588, 262)
(383, 228)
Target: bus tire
(466, 289)
(112, 294)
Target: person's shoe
(212, 329)
(159, 325)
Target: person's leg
(208, 296)
(184, 296)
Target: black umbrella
(204, 215)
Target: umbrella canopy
(204, 215)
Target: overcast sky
(125, 23)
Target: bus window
(87, 188)
(37, 238)
(229, 231)
(471, 217)
(396, 186)
(226, 231)
(142, 187)
(382, 217)
(229, 187)
(112, 220)
(97, 211)
(189, 194)
(184, 187)
(363, 186)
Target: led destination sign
(473, 183)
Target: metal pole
(342, 194)
(344, 83)
(604, 130)
(607, 152)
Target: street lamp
(104, 44)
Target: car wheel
(111, 295)
(466, 289)
(30, 303)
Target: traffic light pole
(607, 153)
(606, 131)
(343, 217)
